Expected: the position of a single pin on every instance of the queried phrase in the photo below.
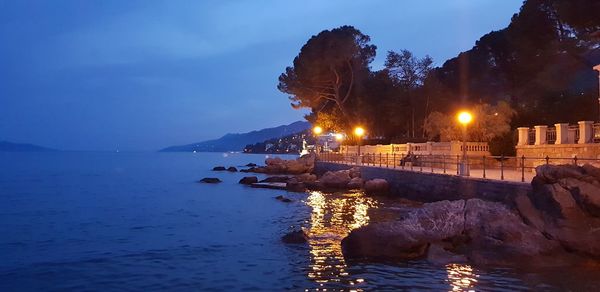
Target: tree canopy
(537, 70)
(326, 72)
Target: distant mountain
(237, 142)
(20, 147)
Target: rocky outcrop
(248, 180)
(232, 169)
(210, 180)
(335, 179)
(276, 165)
(377, 186)
(566, 206)
(480, 230)
(558, 222)
(219, 168)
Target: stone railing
(428, 148)
(584, 133)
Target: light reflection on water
(461, 277)
(331, 220)
(332, 217)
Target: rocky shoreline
(557, 224)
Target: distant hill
(21, 147)
(237, 142)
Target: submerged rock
(232, 169)
(279, 179)
(210, 180)
(295, 237)
(247, 180)
(283, 199)
(250, 165)
(219, 168)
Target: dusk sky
(143, 75)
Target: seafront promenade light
(359, 132)
(464, 117)
(317, 130)
(339, 137)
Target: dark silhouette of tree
(327, 71)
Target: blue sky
(142, 75)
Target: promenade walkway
(511, 174)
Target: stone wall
(429, 187)
(559, 153)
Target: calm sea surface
(83, 221)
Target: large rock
(304, 164)
(335, 179)
(481, 230)
(219, 168)
(354, 172)
(355, 183)
(407, 238)
(568, 199)
(377, 186)
(492, 225)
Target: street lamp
(339, 137)
(597, 68)
(464, 118)
(317, 130)
(359, 132)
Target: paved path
(510, 174)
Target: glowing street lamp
(339, 137)
(359, 132)
(464, 118)
(317, 130)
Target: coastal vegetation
(537, 70)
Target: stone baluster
(586, 132)
(540, 135)
(562, 133)
(523, 136)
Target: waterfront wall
(429, 187)
(559, 153)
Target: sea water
(100, 221)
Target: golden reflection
(332, 218)
(461, 277)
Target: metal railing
(551, 135)
(596, 130)
(508, 168)
(531, 135)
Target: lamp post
(464, 118)
(317, 131)
(597, 68)
(339, 137)
(359, 132)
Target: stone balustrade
(583, 133)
